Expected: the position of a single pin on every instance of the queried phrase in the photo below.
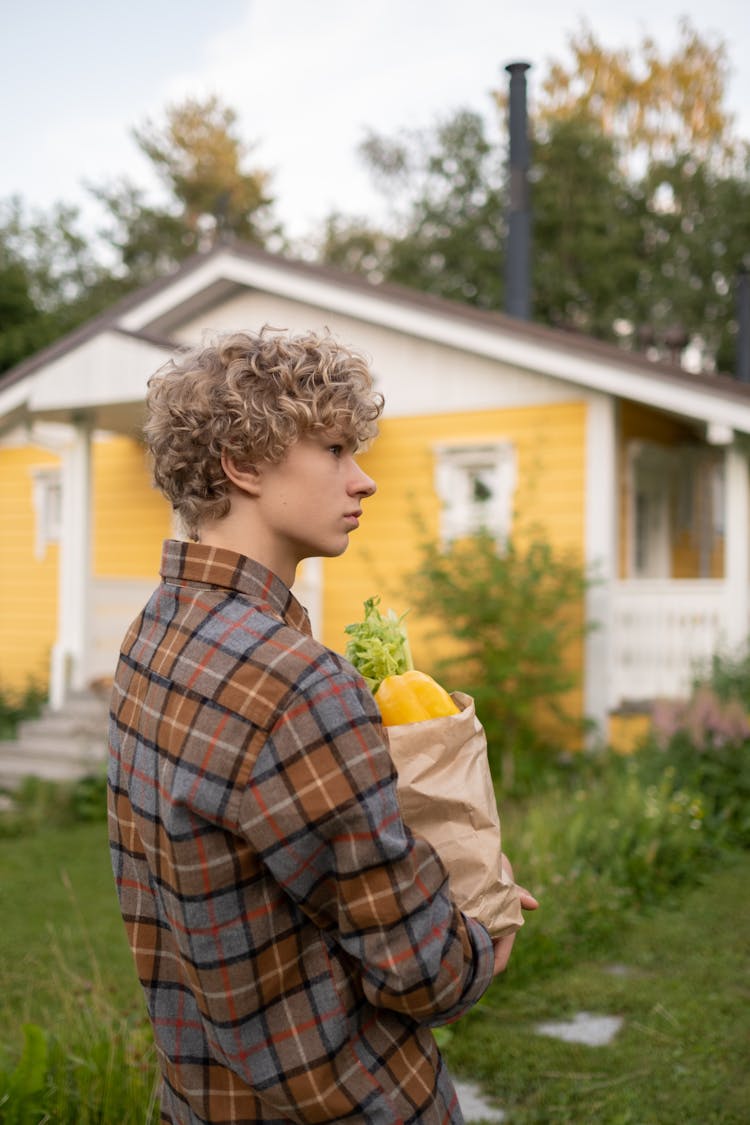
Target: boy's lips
(354, 517)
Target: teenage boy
(294, 941)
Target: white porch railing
(661, 630)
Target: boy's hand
(504, 946)
(528, 902)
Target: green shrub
(644, 839)
(705, 740)
(88, 798)
(15, 706)
(513, 613)
(40, 803)
(613, 838)
(33, 803)
(728, 674)
(705, 747)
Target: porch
(663, 631)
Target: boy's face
(312, 500)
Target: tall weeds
(91, 1066)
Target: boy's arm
(321, 808)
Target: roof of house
(145, 314)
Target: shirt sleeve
(322, 810)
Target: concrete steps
(60, 745)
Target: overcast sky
(307, 77)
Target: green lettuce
(378, 645)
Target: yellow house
(640, 468)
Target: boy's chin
(327, 551)
(338, 548)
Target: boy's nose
(364, 485)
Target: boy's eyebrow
(336, 436)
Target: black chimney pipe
(743, 324)
(518, 251)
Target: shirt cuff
(481, 977)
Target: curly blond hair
(250, 395)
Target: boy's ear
(245, 478)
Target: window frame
(456, 465)
(47, 499)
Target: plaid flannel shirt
(293, 939)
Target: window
(676, 510)
(652, 479)
(475, 484)
(47, 508)
(718, 497)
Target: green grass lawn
(678, 977)
(61, 931)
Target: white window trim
(455, 466)
(47, 498)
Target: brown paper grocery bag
(446, 795)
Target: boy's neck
(234, 535)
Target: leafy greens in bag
(379, 650)
(439, 749)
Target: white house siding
(109, 368)
(416, 376)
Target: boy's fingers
(528, 902)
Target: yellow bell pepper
(412, 697)
(379, 650)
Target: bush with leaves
(37, 803)
(510, 615)
(609, 840)
(705, 740)
(728, 674)
(25, 703)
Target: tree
(49, 278)
(587, 231)
(352, 244)
(201, 157)
(696, 236)
(456, 217)
(148, 240)
(54, 276)
(447, 235)
(652, 105)
(201, 160)
(638, 190)
(681, 194)
(19, 318)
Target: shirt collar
(216, 566)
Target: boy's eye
(336, 450)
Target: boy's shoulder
(304, 661)
(251, 660)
